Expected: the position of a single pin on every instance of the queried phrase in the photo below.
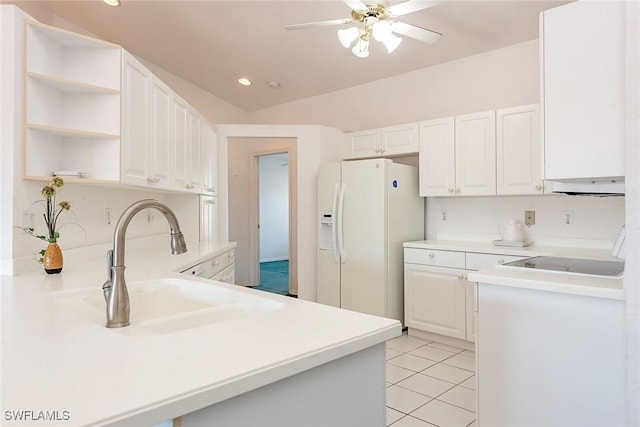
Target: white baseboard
(274, 259)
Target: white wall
(501, 78)
(315, 145)
(274, 207)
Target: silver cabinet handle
(457, 189)
(190, 186)
(538, 187)
(461, 276)
(153, 179)
(432, 255)
(450, 190)
(500, 261)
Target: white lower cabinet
(435, 300)
(438, 297)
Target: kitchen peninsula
(281, 366)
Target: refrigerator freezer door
(328, 286)
(363, 284)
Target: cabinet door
(161, 149)
(209, 159)
(519, 150)
(193, 152)
(470, 306)
(435, 300)
(476, 154)
(402, 139)
(583, 89)
(208, 218)
(436, 157)
(363, 144)
(136, 121)
(179, 142)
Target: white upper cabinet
(194, 176)
(437, 157)
(458, 156)
(76, 102)
(519, 150)
(72, 105)
(160, 166)
(136, 123)
(180, 142)
(583, 89)
(363, 144)
(209, 160)
(476, 154)
(384, 142)
(398, 140)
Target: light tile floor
(429, 383)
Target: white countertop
(53, 360)
(586, 285)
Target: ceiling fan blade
(414, 32)
(355, 4)
(319, 24)
(411, 6)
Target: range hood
(600, 187)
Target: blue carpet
(274, 277)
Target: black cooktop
(571, 265)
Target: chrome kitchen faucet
(115, 288)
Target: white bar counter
(53, 360)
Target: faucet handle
(108, 284)
(110, 264)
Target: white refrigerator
(366, 210)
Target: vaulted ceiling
(211, 43)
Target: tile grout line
(436, 363)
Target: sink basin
(168, 305)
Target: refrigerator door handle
(343, 254)
(334, 231)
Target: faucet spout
(115, 288)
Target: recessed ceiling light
(274, 85)
(113, 3)
(244, 81)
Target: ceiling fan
(378, 20)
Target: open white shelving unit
(72, 93)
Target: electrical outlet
(568, 217)
(107, 216)
(529, 218)
(443, 214)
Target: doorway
(273, 222)
(243, 198)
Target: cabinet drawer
(213, 266)
(434, 257)
(221, 262)
(477, 261)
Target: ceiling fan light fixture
(391, 42)
(244, 81)
(361, 49)
(381, 30)
(347, 36)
